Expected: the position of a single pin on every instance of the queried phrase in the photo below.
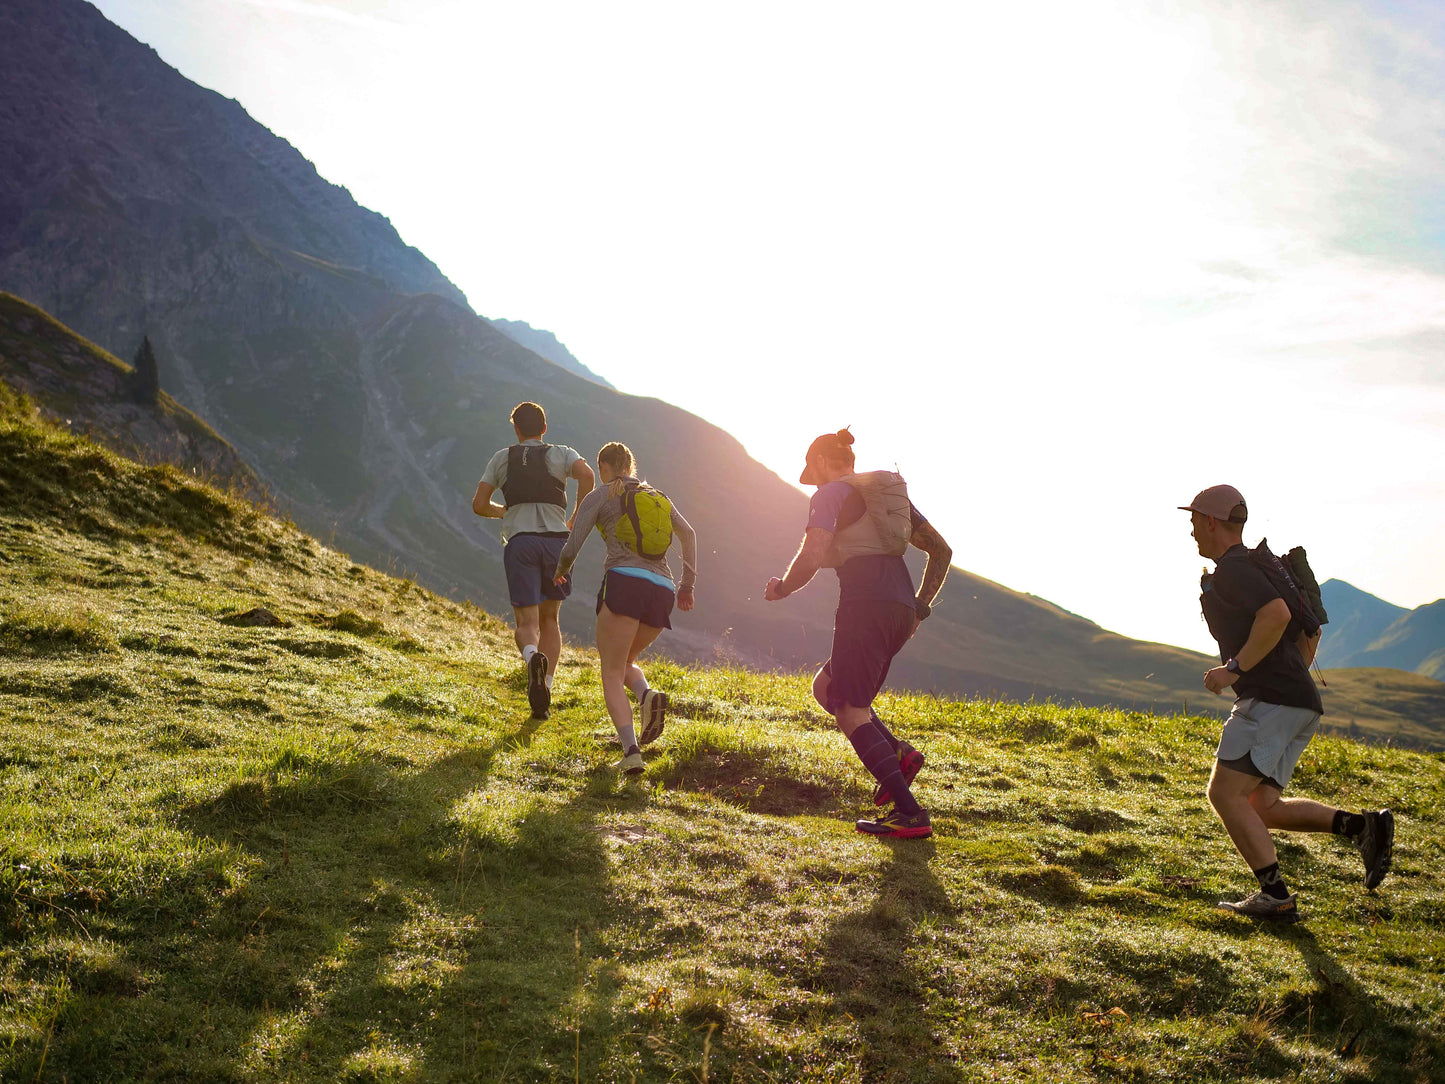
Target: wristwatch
(1233, 666)
(922, 609)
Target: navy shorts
(632, 596)
(866, 636)
(530, 562)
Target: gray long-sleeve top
(600, 509)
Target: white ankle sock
(638, 686)
(528, 652)
(548, 680)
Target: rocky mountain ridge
(366, 393)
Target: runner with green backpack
(638, 524)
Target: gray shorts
(1272, 736)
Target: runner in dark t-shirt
(860, 525)
(1276, 711)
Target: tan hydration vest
(885, 526)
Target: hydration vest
(885, 526)
(528, 479)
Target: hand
(774, 590)
(572, 522)
(559, 579)
(1219, 679)
(684, 599)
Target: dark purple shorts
(530, 562)
(866, 636)
(632, 596)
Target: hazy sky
(1063, 263)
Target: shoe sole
(1385, 825)
(538, 695)
(921, 832)
(1279, 916)
(636, 769)
(656, 718)
(910, 766)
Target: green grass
(340, 850)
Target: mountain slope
(1357, 618)
(337, 849)
(546, 344)
(367, 396)
(1373, 633)
(75, 381)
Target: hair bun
(845, 438)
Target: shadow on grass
(752, 780)
(1339, 1016)
(372, 933)
(866, 967)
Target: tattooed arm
(806, 563)
(939, 557)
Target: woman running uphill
(638, 524)
(861, 525)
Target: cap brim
(806, 478)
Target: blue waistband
(645, 574)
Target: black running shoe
(909, 761)
(1377, 845)
(896, 824)
(654, 714)
(538, 695)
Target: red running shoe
(898, 825)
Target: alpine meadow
(332, 846)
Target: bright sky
(1063, 264)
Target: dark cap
(831, 445)
(1221, 502)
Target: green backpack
(646, 524)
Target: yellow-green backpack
(646, 524)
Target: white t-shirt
(532, 518)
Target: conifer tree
(146, 380)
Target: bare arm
(482, 503)
(585, 481)
(1270, 621)
(806, 563)
(940, 556)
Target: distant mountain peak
(547, 345)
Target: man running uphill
(1277, 709)
(533, 479)
(861, 525)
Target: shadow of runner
(866, 966)
(1340, 1016)
(370, 934)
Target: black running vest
(528, 479)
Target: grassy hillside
(87, 388)
(1385, 705)
(338, 850)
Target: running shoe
(899, 825)
(909, 761)
(1262, 905)
(654, 714)
(1377, 845)
(632, 762)
(538, 695)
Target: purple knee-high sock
(880, 760)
